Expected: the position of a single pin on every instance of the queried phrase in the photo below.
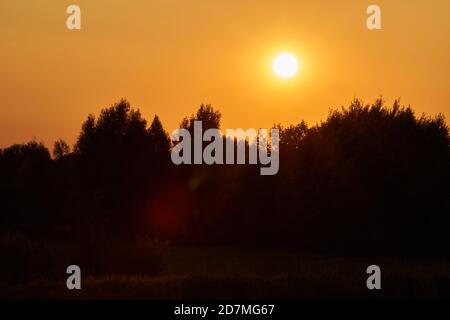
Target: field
(230, 273)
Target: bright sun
(285, 65)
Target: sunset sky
(169, 56)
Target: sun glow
(285, 65)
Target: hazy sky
(168, 56)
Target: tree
(86, 138)
(158, 137)
(25, 178)
(121, 160)
(210, 118)
(292, 136)
(372, 178)
(60, 149)
(118, 131)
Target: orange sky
(168, 56)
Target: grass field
(230, 273)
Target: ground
(230, 273)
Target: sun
(285, 65)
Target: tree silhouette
(119, 159)
(370, 178)
(209, 117)
(24, 176)
(380, 171)
(60, 149)
(158, 138)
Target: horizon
(222, 129)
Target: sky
(169, 56)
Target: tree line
(370, 178)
